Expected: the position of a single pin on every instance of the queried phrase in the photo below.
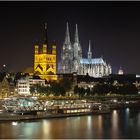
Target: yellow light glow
(45, 63)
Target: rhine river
(119, 124)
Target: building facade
(72, 60)
(24, 84)
(4, 88)
(45, 60)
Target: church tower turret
(77, 46)
(54, 48)
(89, 51)
(67, 37)
(77, 51)
(45, 42)
(36, 48)
(76, 34)
(67, 54)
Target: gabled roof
(92, 61)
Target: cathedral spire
(46, 36)
(89, 51)
(76, 34)
(67, 38)
(44, 49)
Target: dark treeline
(105, 89)
(65, 85)
(55, 88)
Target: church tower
(89, 51)
(45, 62)
(77, 51)
(67, 54)
(45, 41)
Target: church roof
(92, 61)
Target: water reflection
(118, 124)
(100, 125)
(46, 127)
(126, 120)
(114, 131)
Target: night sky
(112, 27)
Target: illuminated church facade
(72, 60)
(45, 60)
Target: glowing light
(127, 110)
(4, 65)
(114, 112)
(14, 123)
(114, 100)
(127, 102)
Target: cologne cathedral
(72, 60)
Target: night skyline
(112, 27)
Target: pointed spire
(89, 51)
(76, 34)
(67, 38)
(46, 37)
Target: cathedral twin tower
(71, 60)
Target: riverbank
(45, 115)
(14, 117)
(68, 110)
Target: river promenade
(14, 117)
(11, 116)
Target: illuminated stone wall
(45, 62)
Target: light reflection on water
(114, 119)
(118, 124)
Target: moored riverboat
(58, 112)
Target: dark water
(119, 124)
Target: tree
(127, 89)
(76, 89)
(32, 89)
(88, 92)
(57, 89)
(61, 87)
(66, 83)
(39, 89)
